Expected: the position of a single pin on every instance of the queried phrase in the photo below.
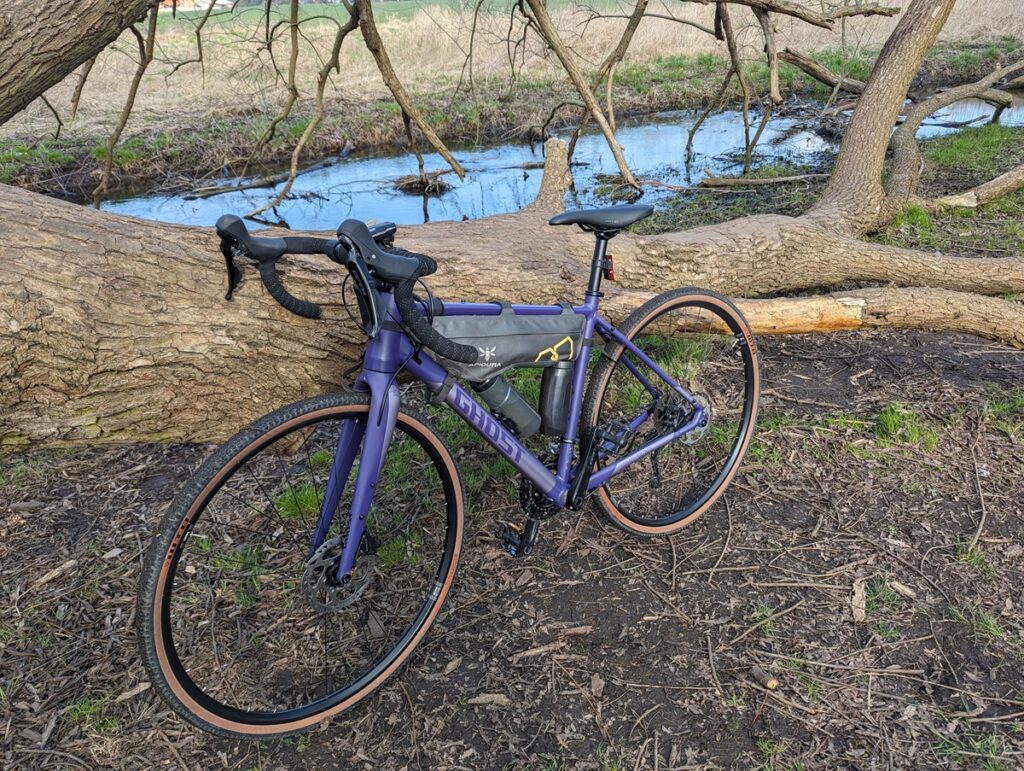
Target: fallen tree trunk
(114, 330)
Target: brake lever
(228, 248)
(231, 248)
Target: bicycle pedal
(613, 436)
(517, 540)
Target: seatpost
(597, 266)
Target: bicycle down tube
(392, 351)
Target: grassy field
(207, 116)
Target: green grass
(301, 502)
(887, 631)
(762, 618)
(249, 557)
(900, 424)
(698, 74)
(984, 751)
(982, 624)
(971, 554)
(813, 689)
(89, 713)
(769, 749)
(957, 162)
(880, 596)
(320, 461)
(1006, 412)
(239, 578)
(979, 150)
(21, 474)
(402, 549)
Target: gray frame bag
(509, 341)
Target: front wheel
(703, 342)
(243, 626)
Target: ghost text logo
(482, 420)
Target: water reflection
(496, 182)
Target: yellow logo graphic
(552, 353)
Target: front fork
(374, 434)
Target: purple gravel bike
(308, 556)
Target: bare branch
(823, 20)
(373, 42)
(146, 48)
(771, 52)
(713, 181)
(76, 98)
(614, 57)
(56, 115)
(1004, 184)
(554, 41)
(468, 62)
(292, 87)
(737, 67)
(906, 170)
(332, 63)
(665, 16)
(713, 105)
(199, 44)
(822, 73)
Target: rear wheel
(244, 630)
(702, 341)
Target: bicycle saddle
(606, 221)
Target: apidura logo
(488, 354)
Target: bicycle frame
(392, 351)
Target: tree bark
(44, 42)
(854, 197)
(116, 330)
(822, 73)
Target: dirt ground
(887, 462)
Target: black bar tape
(426, 334)
(268, 272)
(309, 245)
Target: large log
(113, 329)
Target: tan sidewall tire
(157, 569)
(602, 374)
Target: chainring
(319, 587)
(534, 504)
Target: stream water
(362, 185)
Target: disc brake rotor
(319, 586)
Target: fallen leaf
(491, 699)
(903, 590)
(859, 601)
(56, 572)
(596, 685)
(140, 688)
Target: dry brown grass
(427, 47)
